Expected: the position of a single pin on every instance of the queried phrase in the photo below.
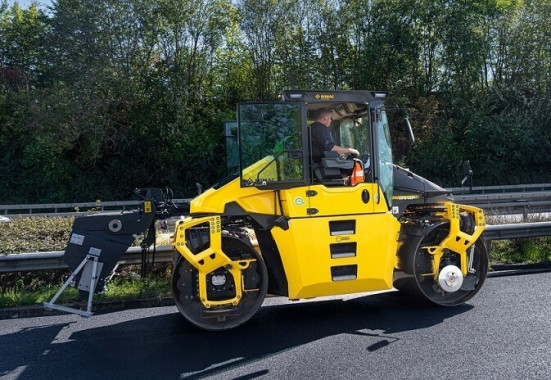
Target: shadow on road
(27, 345)
(167, 347)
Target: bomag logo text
(405, 197)
(325, 96)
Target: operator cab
(275, 149)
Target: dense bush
(100, 97)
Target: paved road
(503, 333)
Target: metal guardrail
(64, 207)
(28, 262)
(517, 230)
(507, 203)
(25, 262)
(503, 197)
(72, 209)
(501, 189)
(529, 197)
(533, 196)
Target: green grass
(526, 250)
(117, 290)
(124, 286)
(137, 288)
(20, 296)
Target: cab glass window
(232, 150)
(354, 133)
(270, 137)
(386, 168)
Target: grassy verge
(525, 250)
(33, 288)
(43, 234)
(117, 290)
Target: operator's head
(323, 115)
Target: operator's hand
(354, 152)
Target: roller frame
(457, 240)
(211, 259)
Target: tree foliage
(98, 97)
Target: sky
(26, 3)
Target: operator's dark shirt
(322, 141)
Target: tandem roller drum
(219, 308)
(450, 287)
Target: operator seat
(332, 170)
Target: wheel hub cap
(450, 278)
(218, 280)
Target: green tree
(98, 97)
(296, 46)
(260, 22)
(22, 33)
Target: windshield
(232, 150)
(384, 162)
(354, 133)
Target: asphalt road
(503, 333)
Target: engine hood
(406, 181)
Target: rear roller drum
(451, 287)
(221, 286)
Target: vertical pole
(93, 281)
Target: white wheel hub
(450, 278)
(218, 280)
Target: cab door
(347, 240)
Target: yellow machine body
(324, 226)
(344, 246)
(336, 242)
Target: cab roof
(315, 96)
(341, 104)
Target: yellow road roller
(300, 221)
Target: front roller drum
(220, 286)
(451, 287)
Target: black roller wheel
(220, 286)
(420, 284)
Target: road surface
(502, 333)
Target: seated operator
(322, 141)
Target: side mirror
(468, 175)
(199, 188)
(410, 132)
